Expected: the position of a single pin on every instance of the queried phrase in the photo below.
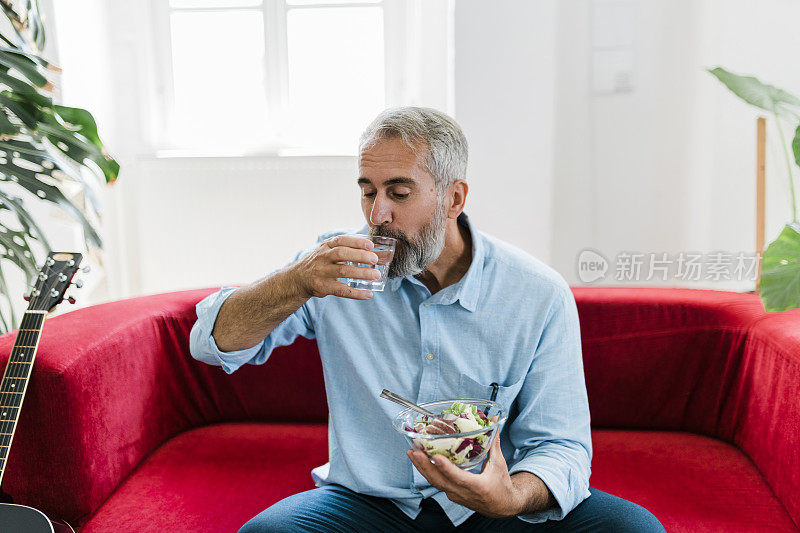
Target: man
(463, 315)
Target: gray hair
(427, 131)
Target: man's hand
(491, 493)
(316, 273)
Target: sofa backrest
(663, 358)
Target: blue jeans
(337, 509)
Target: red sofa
(694, 397)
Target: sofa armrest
(110, 383)
(765, 403)
(707, 362)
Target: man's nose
(381, 212)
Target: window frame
(406, 61)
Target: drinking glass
(384, 249)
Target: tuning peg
(86, 269)
(70, 299)
(78, 283)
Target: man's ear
(457, 198)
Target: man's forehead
(390, 161)
(390, 149)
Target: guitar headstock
(53, 281)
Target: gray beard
(411, 258)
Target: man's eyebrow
(390, 181)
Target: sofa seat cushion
(215, 478)
(691, 483)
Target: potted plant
(48, 152)
(780, 267)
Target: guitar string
(28, 322)
(19, 369)
(27, 336)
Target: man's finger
(429, 471)
(346, 253)
(340, 289)
(352, 241)
(451, 472)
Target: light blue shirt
(510, 320)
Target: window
(287, 76)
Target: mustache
(385, 232)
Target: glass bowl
(464, 449)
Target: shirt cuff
(202, 345)
(559, 479)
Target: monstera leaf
(759, 94)
(780, 271)
(47, 152)
(796, 146)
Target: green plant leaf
(796, 146)
(24, 219)
(88, 128)
(756, 93)
(27, 179)
(780, 271)
(33, 57)
(46, 157)
(15, 243)
(37, 28)
(24, 66)
(26, 112)
(19, 252)
(7, 129)
(43, 148)
(24, 90)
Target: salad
(458, 418)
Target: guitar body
(22, 519)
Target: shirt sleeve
(204, 348)
(552, 433)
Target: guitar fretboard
(15, 379)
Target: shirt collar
(468, 288)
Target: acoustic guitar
(53, 280)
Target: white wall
(669, 166)
(553, 168)
(759, 39)
(504, 94)
(221, 220)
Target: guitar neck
(15, 379)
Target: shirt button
(430, 356)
